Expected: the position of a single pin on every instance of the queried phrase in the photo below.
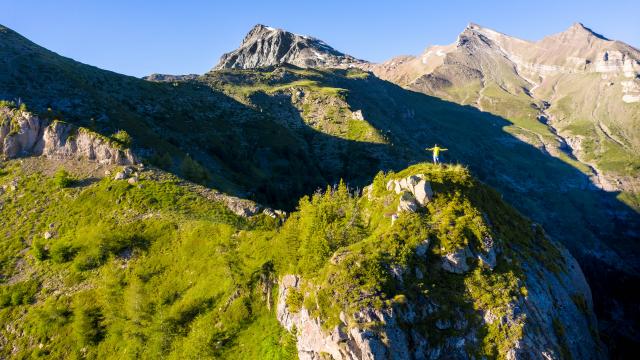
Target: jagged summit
(267, 46)
(578, 29)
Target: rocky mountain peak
(267, 46)
(259, 30)
(475, 34)
(579, 32)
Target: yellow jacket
(436, 150)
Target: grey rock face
(488, 259)
(407, 203)
(550, 303)
(170, 78)
(22, 133)
(266, 46)
(423, 193)
(456, 262)
(561, 300)
(414, 184)
(390, 342)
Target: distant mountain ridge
(575, 94)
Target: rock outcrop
(555, 317)
(415, 192)
(342, 342)
(456, 262)
(170, 78)
(22, 133)
(548, 312)
(267, 46)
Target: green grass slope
(106, 269)
(131, 271)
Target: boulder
(120, 176)
(397, 187)
(133, 180)
(412, 181)
(443, 324)
(48, 235)
(269, 212)
(422, 192)
(390, 185)
(403, 184)
(407, 203)
(456, 262)
(421, 250)
(488, 258)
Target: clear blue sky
(177, 37)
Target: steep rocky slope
(240, 150)
(575, 94)
(415, 288)
(266, 46)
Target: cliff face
(22, 133)
(554, 324)
(487, 296)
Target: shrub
(21, 293)
(294, 300)
(194, 171)
(39, 250)
(49, 317)
(87, 321)
(89, 260)
(123, 138)
(8, 104)
(63, 179)
(163, 161)
(62, 252)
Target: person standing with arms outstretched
(436, 153)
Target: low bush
(21, 293)
(123, 138)
(62, 252)
(193, 171)
(39, 250)
(63, 179)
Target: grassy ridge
(155, 270)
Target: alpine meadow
(479, 200)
